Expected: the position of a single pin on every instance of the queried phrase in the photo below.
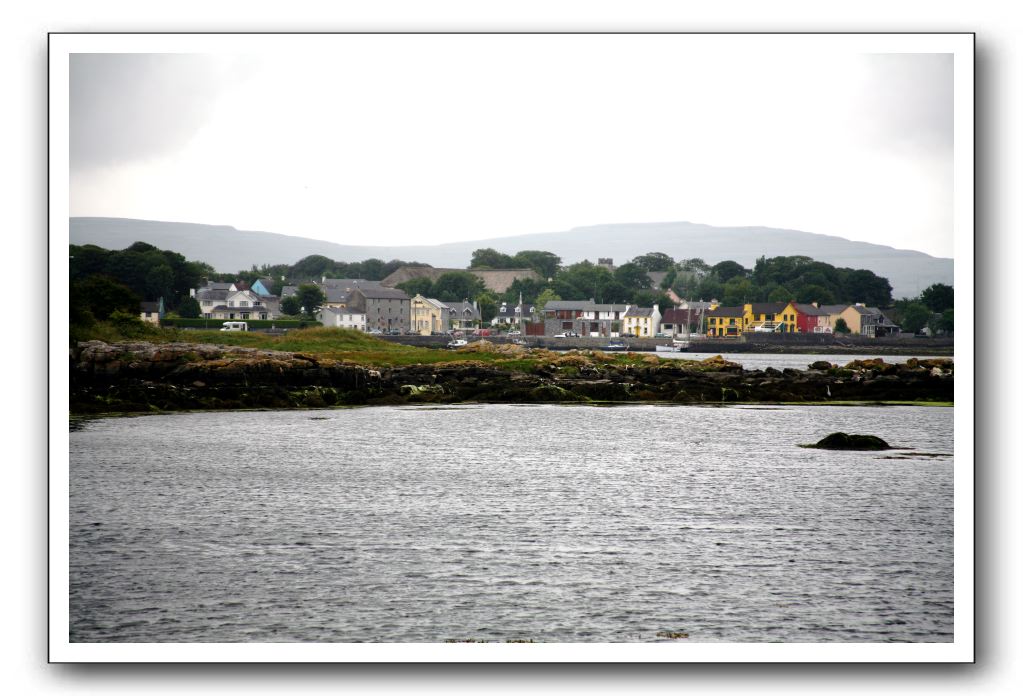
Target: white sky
(391, 139)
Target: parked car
(514, 333)
(567, 334)
(375, 331)
(661, 334)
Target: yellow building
(428, 315)
(766, 317)
(724, 321)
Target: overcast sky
(429, 139)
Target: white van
(235, 326)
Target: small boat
(615, 345)
(676, 346)
(458, 343)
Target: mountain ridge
(228, 249)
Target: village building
(151, 312)
(463, 315)
(807, 318)
(584, 317)
(868, 321)
(725, 321)
(428, 315)
(342, 318)
(513, 314)
(643, 322)
(386, 309)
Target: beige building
(428, 315)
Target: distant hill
(228, 249)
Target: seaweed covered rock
(845, 441)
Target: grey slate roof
(768, 307)
(379, 292)
(810, 310)
(584, 305)
(219, 294)
(640, 312)
(462, 309)
(725, 312)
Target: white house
(342, 318)
(642, 321)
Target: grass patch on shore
(356, 346)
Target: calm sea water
(549, 523)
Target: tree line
(143, 272)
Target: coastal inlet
(512, 522)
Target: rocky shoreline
(146, 377)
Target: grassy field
(350, 345)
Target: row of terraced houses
(371, 306)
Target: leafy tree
(189, 308)
(632, 277)
(291, 305)
(101, 296)
(813, 293)
(456, 286)
(314, 266)
(779, 294)
(487, 304)
(654, 261)
(696, 265)
(726, 270)
(490, 258)
(914, 317)
(543, 262)
(709, 288)
(417, 286)
(944, 323)
(544, 297)
(841, 326)
(529, 288)
(865, 286)
(585, 280)
(649, 298)
(669, 280)
(310, 298)
(938, 297)
(394, 264)
(372, 269)
(738, 290)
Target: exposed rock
(844, 441)
(145, 377)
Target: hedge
(215, 324)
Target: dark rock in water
(844, 441)
(820, 365)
